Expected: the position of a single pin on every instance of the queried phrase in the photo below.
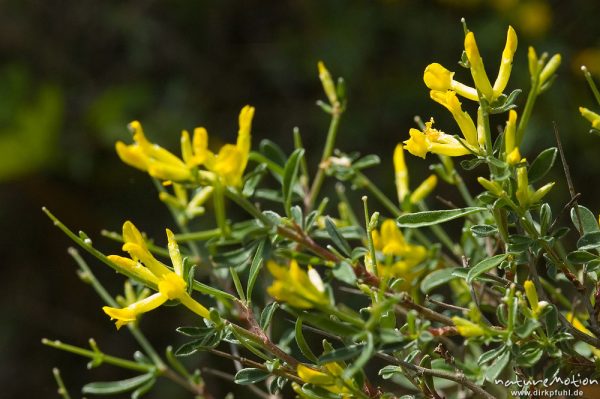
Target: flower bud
(550, 68)
(327, 82)
(482, 83)
(424, 189)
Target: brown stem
(297, 235)
(456, 377)
(251, 363)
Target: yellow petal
(134, 268)
(174, 253)
(506, 63)
(467, 328)
(401, 172)
(436, 77)
(130, 313)
(449, 100)
(228, 165)
(424, 189)
(187, 152)
(482, 83)
(200, 146)
(392, 238)
(172, 286)
(312, 376)
(132, 155)
(418, 144)
(142, 254)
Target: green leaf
(195, 332)
(542, 164)
(429, 218)
(272, 151)
(324, 322)
(252, 180)
(470, 164)
(494, 369)
(302, 344)
(580, 257)
(144, 389)
(114, 387)
(519, 243)
(366, 162)
(344, 272)
(255, 267)
(551, 320)
(484, 266)
(483, 230)
(250, 376)
(337, 237)
(267, 314)
(491, 354)
(589, 241)
(388, 372)
(588, 220)
(290, 173)
(214, 292)
(436, 279)
(365, 355)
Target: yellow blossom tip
(511, 39)
(437, 77)
(322, 68)
(134, 126)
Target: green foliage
(399, 303)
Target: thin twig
(567, 175)
(456, 377)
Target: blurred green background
(74, 73)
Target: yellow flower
(525, 194)
(329, 378)
(151, 158)
(591, 116)
(300, 289)
(435, 141)
(401, 173)
(228, 164)
(480, 78)
(402, 256)
(436, 77)
(532, 298)
(513, 156)
(467, 328)
(449, 100)
(142, 264)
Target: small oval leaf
(484, 266)
(429, 218)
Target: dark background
(74, 73)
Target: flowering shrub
(400, 307)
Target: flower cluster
(228, 164)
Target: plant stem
(531, 98)
(115, 361)
(456, 377)
(62, 389)
(327, 151)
